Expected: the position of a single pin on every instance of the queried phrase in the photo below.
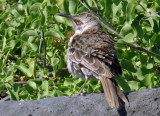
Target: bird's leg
(79, 93)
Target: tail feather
(112, 92)
(122, 96)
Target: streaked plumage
(91, 54)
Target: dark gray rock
(142, 103)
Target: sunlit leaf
(134, 86)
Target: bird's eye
(78, 22)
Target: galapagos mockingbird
(91, 54)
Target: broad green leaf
(4, 15)
(9, 46)
(9, 78)
(126, 64)
(54, 33)
(130, 11)
(108, 8)
(137, 28)
(134, 86)
(73, 6)
(14, 92)
(126, 29)
(36, 23)
(35, 7)
(31, 86)
(60, 4)
(2, 86)
(28, 20)
(58, 93)
(15, 13)
(90, 2)
(52, 10)
(129, 38)
(150, 20)
(157, 59)
(43, 18)
(33, 46)
(23, 68)
(45, 87)
(32, 67)
(143, 59)
(4, 25)
(123, 84)
(1, 63)
(139, 74)
(63, 20)
(28, 33)
(68, 82)
(116, 7)
(150, 64)
(147, 81)
(20, 9)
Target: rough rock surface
(142, 103)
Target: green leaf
(126, 29)
(33, 46)
(73, 6)
(129, 38)
(143, 59)
(32, 67)
(4, 25)
(20, 9)
(139, 74)
(117, 6)
(108, 8)
(9, 46)
(131, 6)
(59, 93)
(4, 15)
(15, 13)
(137, 28)
(60, 4)
(134, 86)
(45, 87)
(54, 33)
(31, 86)
(150, 64)
(35, 7)
(36, 23)
(63, 20)
(68, 82)
(28, 33)
(2, 86)
(126, 64)
(150, 20)
(147, 81)
(14, 92)
(123, 84)
(23, 68)
(55, 61)
(43, 18)
(1, 63)
(157, 59)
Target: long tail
(112, 92)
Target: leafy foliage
(21, 23)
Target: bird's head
(83, 22)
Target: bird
(92, 54)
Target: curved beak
(64, 15)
